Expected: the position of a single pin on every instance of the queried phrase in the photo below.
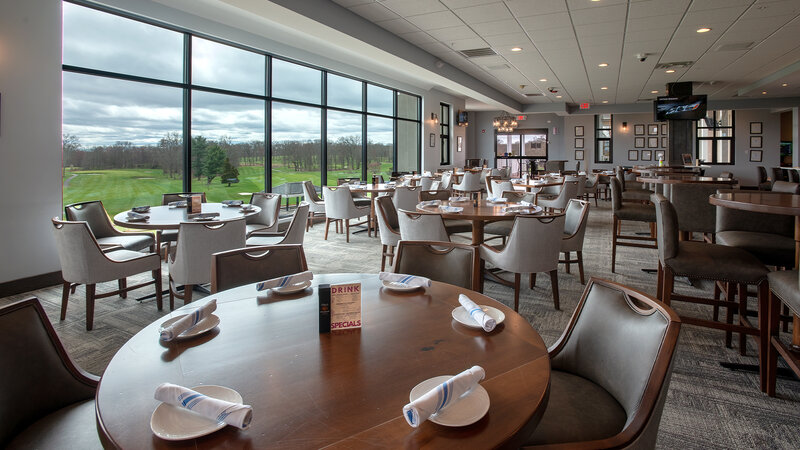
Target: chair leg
(383, 257)
(580, 266)
(742, 318)
(171, 293)
(123, 283)
(327, 226)
(532, 280)
(772, 354)
(159, 296)
(516, 292)
(614, 244)
(660, 282)
(554, 282)
(730, 298)
(187, 293)
(786, 322)
(763, 332)
(65, 299)
(347, 230)
(566, 260)
(668, 285)
(90, 290)
(717, 292)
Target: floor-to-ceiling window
(149, 109)
(715, 137)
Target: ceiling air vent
(476, 52)
(674, 65)
(735, 47)
(538, 94)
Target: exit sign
(584, 106)
(522, 117)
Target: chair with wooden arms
(168, 237)
(241, 266)
(389, 228)
(448, 262)
(421, 226)
(784, 291)
(294, 233)
(632, 212)
(576, 218)
(341, 207)
(108, 237)
(315, 203)
(267, 219)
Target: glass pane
(707, 121)
(725, 118)
(603, 151)
(296, 143)
(514, 143)
(724, 132)
(705, 132)
(407, 146)
(604, 133)
(344, 146)
(723, 151)
(296, 82)
(535, 145)
(407, 106)
(225, 67)
(502, 145)
(227, 146)
(444, 115)
(122, 141)
(98, 40)
(704, 149)
(604, 121)
(380, 136)
(345, 92)
(379, 100)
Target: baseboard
(30, 283)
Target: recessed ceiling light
(670, 71)
(602, 65)
(558, 96)
(785, 84)
(604, 88)
(654, 92)
(703, 30)
(605, 101)
(516, 49)
(542, 79)
(763, 92)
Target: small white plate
(462, 317)
(464, 411)
(207, 324)
(176, 424)
(292, 288)
(399, 287)
(205, 219)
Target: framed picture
(755, 155)
(647, 155)
(579, 155)
(755, 127)
(633, 155)
(686, 159)
(755, 141)
(432, 142)
(659, 155)
(638, 129)
(652, 142)
(578, 142)
(664, 142)
(638, 142)
(459, 143)
(652, 129)
(664, 129)
(579, 130)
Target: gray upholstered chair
(294, 234)
(315, 204)
(425, 182)
(168, 237)
(406, 197)
(389, 228)
(569, 190)
(502, 228)
(108, 237)
(602, 394)
(786, 187)
(763, 180)
(84, 262)
(709, 262)
(446, 180)
(695, 213)
(632, 190)
(190, 265)
(784, 291)
(470, 183)
(440, 194)
(575, 219)
(452, 263)
(48, 401)
(339, 206)
(451, 225)
(592, 187)
(533, 247)
(581, 179)
(421, 226)
(435, 185)
(267, 219)
(500, 186)
(241, 266)
(628, 211)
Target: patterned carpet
(708, 406)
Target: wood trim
(33, 283)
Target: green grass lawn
(121, 189)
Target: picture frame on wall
(756, 155)
(578, 155)
(664, 129)
(578, 130)
(686, 159)
(755, 141)
(755, 127)
(633, 155)
(652, 142)
(659, 155)
(652, 129)
(578, 142)
(432, 142)
(459, 143)
(647, 155)
(638, 142)
(664, 142)
(638, 129)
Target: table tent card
(345, 306)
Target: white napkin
(134, 217)
(193, 318)
(235, 414)
(430, 203)
(459, 199)
(178, 204)
(477, 314)
(451, 209)
(232, 202)
(411, 280)
(443, 395)
(524, 203)
(522, 209)
(496, 200)
(427, 173)
(285, 281)
(202, 216)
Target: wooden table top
(346, 389)
(163, 217)
(381, 187)
(484, 211)
(685, 179)
(759, 201)
(539, 185)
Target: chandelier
(505, 123)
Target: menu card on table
(345, 306)
(195, 205)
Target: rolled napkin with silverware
(451, 209)
(484, 320)
(177, 204)
(442, 396)
(202, 216)
(141, 209)
(136, 217)
(188, 321)
(232, 202)
(285, 281)
(410, 280)
(235, 414)
(459, 199)
(430, 203)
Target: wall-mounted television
(687, 107)
(462, 118)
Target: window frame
(598, 139)
(716, 139)
(445, 128)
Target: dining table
(533, 184)
(340, 389)
(373, 190)
(478, 212)
(164, 217)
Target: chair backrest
(569, 190)
(498, 187)
(197, 241)
(296, 231)
(421, 227)
(726, 175)
(339, 203)
(596, 345)
(388, 224)
(777, 174)
(525, 254)
(425, 183)
(666, 228)
(519, 196)
(179, 196)
(435, 185)
(80, 255)
(488, 182)
(406, 197)
(794, 177)
(270, 205)
(457, 264)
(37, 376)
(446, 179)
(553, 166)
(762, 174)
(95, 216)
(310, 192)
(581, 179)
(576, 217)
(786, 187)
(470, 182)
(441, 194)
(242, 266)
(616, 193)
(620, 174)
(691, 205)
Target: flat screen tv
(689, 107)
(462, 118)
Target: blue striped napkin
(430, 203)
(188, 321)
(285, 281)
(235, 414)
(442, 396)
(451, 209)
(410, 280)
(481, 318)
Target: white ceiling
(563, 41)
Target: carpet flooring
(707, 406)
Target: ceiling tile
(600, 29)
(655, 22)
(589, 4)
(723, 16)
(418, 37)
(611, 43)
(374, 12)
(398, 26)
(553, 34)
(704, 5)
(413, 7)
(524, 8)
(349, 3)
(455, 4)
(654, 34)
(615, 13)
(466, 44)
(441, 19)
(483, 13)
(784, 8)
(652, 8)
(546, 21)
(447, 35)
(520, 39)
(497, 27)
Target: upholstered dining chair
(452, 226)
(631, 190)
(784, 291)
(487, 182)
(470, 183)
(448, 262)
(630, 212)
(522, 254)
(569, 190)
(247, 265)
(421, 226)
(48, 401)
(695, 213)
(502, 228)
(576, 217)
(294, 233)
(406, 197)
(108, 237)
(340, 207)
(190, 265)
(581, 179)
(435, 185)
(786, 187)
(439, 194)
(84, 262)
(602, 395)
(389, 228)
(425, 182)
(167, 237)
(315, 204)
(498, 187)
(446, 179)
(763, 180)
(267, 219)
(359, 197)
(592, 187)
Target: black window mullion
(324, 131)
(187, 113)
(268, 126)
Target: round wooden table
(344, 389)
(483, 212)
(685, 179)
(529, 186)
(166, 218)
